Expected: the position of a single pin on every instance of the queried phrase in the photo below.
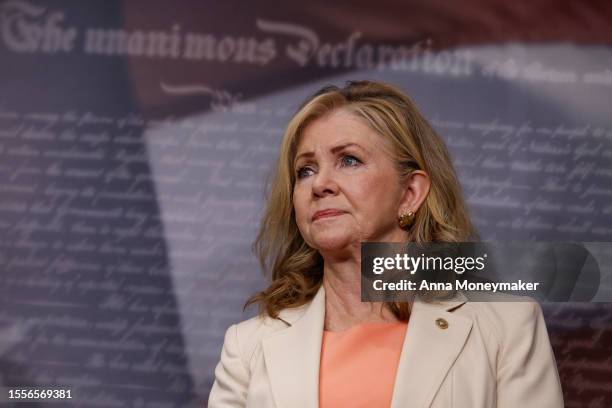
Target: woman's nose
(324, 183)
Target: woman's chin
(335, 243)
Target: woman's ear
(416, 188)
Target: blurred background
(136, 138)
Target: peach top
(358, 365)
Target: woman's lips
(326, 214)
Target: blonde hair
(296, 268)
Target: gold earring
(406, 219)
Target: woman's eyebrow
(334, 150)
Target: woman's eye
(350, 161)
(303, 172)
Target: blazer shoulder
(523, 357)
(503, 314)
(251, 332)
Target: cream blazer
(487, 355)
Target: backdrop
(136, 138)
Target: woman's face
(347, 189)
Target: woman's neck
(343, 306)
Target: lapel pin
(442, 323)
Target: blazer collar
(429, 351)
(292, 355)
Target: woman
(361, 164)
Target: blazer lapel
(428, 352)
(293, 356)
